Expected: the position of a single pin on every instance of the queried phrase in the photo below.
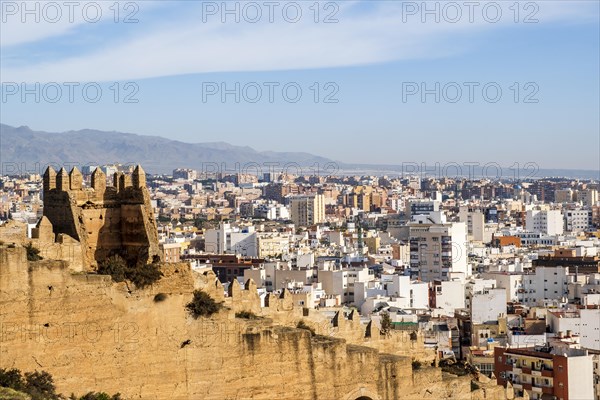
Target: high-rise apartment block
(307, 210)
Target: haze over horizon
(161, 155)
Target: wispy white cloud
(32, 21)
(366, 33)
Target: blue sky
(370, 57)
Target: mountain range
(23, 150)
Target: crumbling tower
(106, 220)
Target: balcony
(547, 373)
(548, 389)
(526, 370)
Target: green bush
(143, 275)
(140, 274)
(202, 305)
(97, 396)
(11, 378)
(40, 386)
(114, 266)
(246, 315)
(33, 254)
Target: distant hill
(27, 148)
(22, 149)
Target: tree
(386, 323)
(40, 386)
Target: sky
(380, 82)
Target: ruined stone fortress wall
(105, 220)
(92, 334)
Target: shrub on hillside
(33, 253)
(246, 315)
(38, 385)
(140, 274)
(97, 396)
(202, 305)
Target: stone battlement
(72, 183)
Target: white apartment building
(278, 275)
(401, 286)
(271, 211)
(549, 222)
(487, 306)
(512, 283)
(529, 238)
(342, 282)
(438, 250)
(449, 296)
(231, 240)
(582, 322)
(578, 220)
(395, 290)
(546, 283)
(584, 286)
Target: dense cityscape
(497, 275)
